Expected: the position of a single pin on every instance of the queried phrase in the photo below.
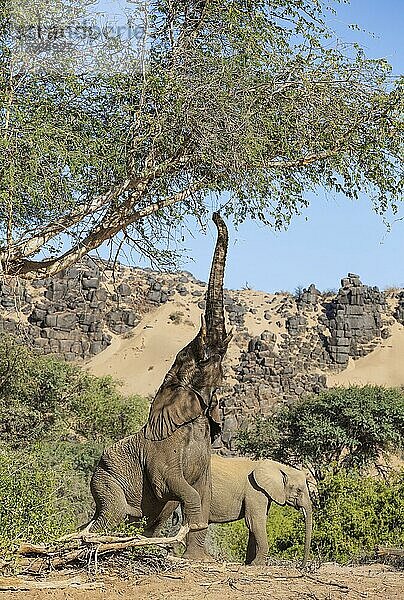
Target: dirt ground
(192, 581)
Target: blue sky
(334, 235)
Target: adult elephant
(169, 459)
(244, 488)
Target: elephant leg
(156, 523)
(191, 503)
(256, 520)
(251, 549)
(111, 505)
(196, 539)
(196, 546)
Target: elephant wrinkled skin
(169, 459)
(245, 488)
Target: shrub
(32, 504)
(344, 427)
(356, 513)
(42, 397)
(55, 420)
(99, 412)
(261, 439)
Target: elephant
(169, 458)
(244, 488)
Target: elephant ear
(172, 407)
(270, 478)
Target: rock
(90, 283)
(123, 289)
(56, 290)
(50, 320)
(66, 321)
(154, 296)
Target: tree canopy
(340, 428)
(249, 101)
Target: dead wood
(27, 548)
(384, 551)
(83, 546)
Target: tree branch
(109, 226)
(303, 161)
(191, 28)
(31, 246)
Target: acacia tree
(350, 428)
(248, 99)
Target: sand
(141, 360)
(383, 366)
(230, 581)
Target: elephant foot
(197, 526)
(197, 554)
(259, 561)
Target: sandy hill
(383, 366)
(130, 323)
(141, 360)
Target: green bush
(55, 420)
(98, 411)
(33, 501)
(356, 513)
(344, 427)
(46, 397)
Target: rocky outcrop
(76, 314)
(320, 334)
(355, 320)
(283, 343)
(266, 377)
(399, 311)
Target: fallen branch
(81, 545)
(27, 548)
(341, 586)
(110, 543)
(384, 551)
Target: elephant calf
(244, 488)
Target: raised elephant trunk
(214, 312)
(197, 367)
(308, 519)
